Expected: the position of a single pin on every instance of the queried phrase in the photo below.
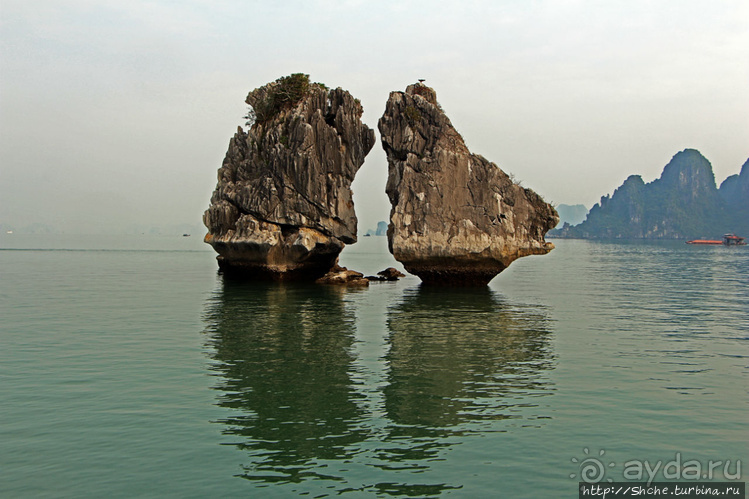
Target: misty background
(115, 116)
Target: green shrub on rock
(285, 92)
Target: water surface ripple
(145, 373)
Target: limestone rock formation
(684, 203)
(456, 218)
(283, 206)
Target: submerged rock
(283, 206)
(389, 274)
(342, 275)
(456, 218)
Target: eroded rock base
(453, 275)
(275, 253)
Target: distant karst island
(684, 203)
(283, 207)
(572, 214)
(381, 230)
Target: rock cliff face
(283, 205)
(683, 203)
(735, 189)
(456, 218)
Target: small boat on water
(728, 240)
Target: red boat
(728, 240)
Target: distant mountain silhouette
(735, 192)
(571, 214)
(382, 230)
(683, 203)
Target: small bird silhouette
(421, 80)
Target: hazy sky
(114, 114)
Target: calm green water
(128, 367)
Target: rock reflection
(315, 405)
(461, 362)
(462, 356)
(283, 354)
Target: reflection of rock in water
(463, 356)
(283, 357)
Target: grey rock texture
(389, 274)
(283, 206)
(343, 276)
(456, 218)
